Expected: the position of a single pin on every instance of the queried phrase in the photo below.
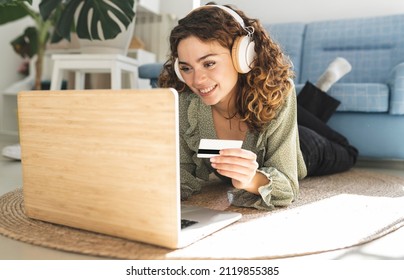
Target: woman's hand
(241, 167)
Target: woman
(235, 83)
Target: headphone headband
(236, 16)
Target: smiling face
(208, 70)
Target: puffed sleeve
(282, 162)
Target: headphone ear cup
(177, 70)
(243, 54)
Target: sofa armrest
(396, 84)
(151, 71)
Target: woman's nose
(199, 76)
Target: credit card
(211, 147)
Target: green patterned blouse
(277, 149)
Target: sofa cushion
(290, 37)
(361, 97)
(366, 98)
(372, 45)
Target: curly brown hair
(263, 90)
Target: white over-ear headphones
(242, 53)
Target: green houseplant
(56, 19)
(33, 40)
(76, 14)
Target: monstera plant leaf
(84, 16)
(11, 10)
(26, 45)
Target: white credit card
(211, 147)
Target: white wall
(178, 7)
(275, 11)
(9, 60)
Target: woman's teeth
(207, 90)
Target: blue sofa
(371, 114)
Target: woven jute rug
(332, 212)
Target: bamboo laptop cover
(108, 161)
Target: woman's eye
(209, 64)
(185, 69)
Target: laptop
(108, 161)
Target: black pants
(325, 151)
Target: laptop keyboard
(186, 223)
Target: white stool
(94, 63)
